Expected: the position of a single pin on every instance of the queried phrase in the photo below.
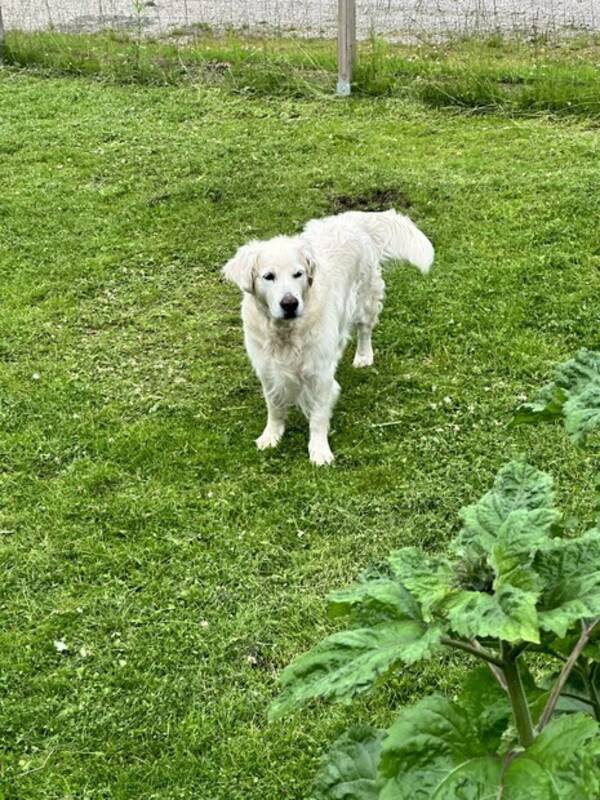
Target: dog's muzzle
(289, 305)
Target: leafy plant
(138, 7)
(512, 586)
(573, 395)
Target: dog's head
(278, 273)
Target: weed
(496, 74)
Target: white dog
(303, 295)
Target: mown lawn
(157, 571)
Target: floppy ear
(241, 268)
(310, 262)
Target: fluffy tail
(397, 238)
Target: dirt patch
(371, 200)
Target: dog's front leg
(276, 416)
(325, 397)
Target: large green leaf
(518, 487)
(575, 695)
(582, 412)
(435, 750)
(373, 601)
(430, 580)
(509, 614)
(548, 405)
(570, 571)
(574, 394)
(485, 701)
(561, 763)
(438, 750)
(516, 543)
(508, 609)
(475, 779)
(349, 770)
(350, 662)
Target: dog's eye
(298, 274)
(269, 276)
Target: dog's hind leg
(367, 317)
(364, 347)
(276, 416)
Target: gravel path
(395, 18)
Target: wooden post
(346, 45)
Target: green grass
(138, 524)
(518, 76)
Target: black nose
(289, 304)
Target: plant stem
(565, 672)
(518, 699)
(474, 648)
(520, 648)
(499, 676)
(588, 676)
(578, 697)
(594, 691)
(494, 668)
(459, 644)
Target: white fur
(330, 276)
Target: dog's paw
(363, 360)
(320, 455)
(268, 438)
